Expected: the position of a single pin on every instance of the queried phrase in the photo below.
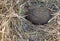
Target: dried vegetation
(14, 27)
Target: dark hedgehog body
(39, 15)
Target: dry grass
(12, 24)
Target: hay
(14, 27)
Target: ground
(14, 26)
